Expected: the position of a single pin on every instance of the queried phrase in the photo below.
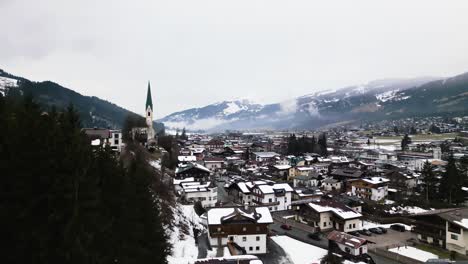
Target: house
(331, 185)
(447, 228)
(213, 163)
(264, 156)
(204, 192)
(346, 174)
(246, 227)
(199, 172)
(374, 188)
(214, 144)
(310, 180)
(277, 196)
(105, 137)
(351, 247)
(303, 193)
(402, 181)
(281, 170)
(301, 171)
(327, 214)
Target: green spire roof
(149, 101)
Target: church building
(149, 115)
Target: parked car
(286, 227)
(314, 236)
(398, 227)
(365, 232)
(376, 230)
(383, 229)
(354, 233)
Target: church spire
(149, 100)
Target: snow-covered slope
(6, 82)
(307, 111)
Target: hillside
(94, 112)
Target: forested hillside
(63, 201)
(93, 111)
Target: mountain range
(376, 100)
(94, 112)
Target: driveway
(391, 239)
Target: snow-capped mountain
(308, 111)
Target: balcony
(265, 204)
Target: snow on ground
(184, 249)
(299, 252)
(226, 252)
(381, 147)
(156, 164)
(367, 225)
(406, 210)
(414, 253)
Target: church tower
(149, 113)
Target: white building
(374, 188)
(246, 227)
(276, 196)
(327, 214)
(206, 193)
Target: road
(299, 234)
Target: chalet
(303, 193)
(277, 196)
(245, 227)
(197, 171)
(264, 156)
(204, 192)
(301, 171)
(214, 144)
(327, 214)
(311, 180)
(105, 137)
(402, 181)
(353, 248)
(331, 185)
(375, 188)
(213, 163)
(447, 228)
(281, 170)
(346, 174)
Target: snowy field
(406, 210)
(414, 253)
(299, 252)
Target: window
(454, 237)
(354, 225)
(250, 248)
(116, 135)
(257, 248)
(324, 224)
(116, 142)
(257, 238)
(244, 239)
(350, 226)
(269, 200)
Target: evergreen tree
(430, 181)
(452, 182)
(405, 142)
(322, 142)
(184, 134)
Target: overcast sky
(199, 52)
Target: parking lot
(391, 239)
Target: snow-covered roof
(186, 158)
(376, 180)
(215, 215)
(337, 208)
(282, 167)
(306, 168)
(266, 188)
(266, 154)
(189, 179)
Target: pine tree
(452, 182)
(405, 142)
(430, 181)
(322, 142)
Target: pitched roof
(346, 239)
(337, 208)
(260, 215)
(149, 100)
